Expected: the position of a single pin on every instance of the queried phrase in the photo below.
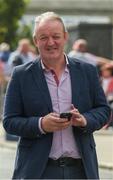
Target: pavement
(5, 143)
(104, 146)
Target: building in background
(88, 19)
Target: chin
(53, 56)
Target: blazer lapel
(76, 81)
(40, 81)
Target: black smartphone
(67, 115)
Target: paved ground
(104, 145)
(7, 158)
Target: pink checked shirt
(64, 143)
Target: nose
(50, 41)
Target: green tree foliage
(25, 31)
(11, 12)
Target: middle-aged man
(52, 147)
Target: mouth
(50, 49)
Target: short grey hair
(47, 16)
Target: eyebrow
(47, 35)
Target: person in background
(2, 87)
(107, 84)
(53, 145)
(109, 65)
(107, 80)
(2, 76)
(22, 54)
(80, 51)
(4, 52)
(4, 55)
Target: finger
(64, 124)
(74, 110)
(54, 114)
(62, 120)
(72, 106)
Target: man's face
(50, 39)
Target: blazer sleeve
(14, 120)
(99, 114)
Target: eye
(43, 38)
(56, 37)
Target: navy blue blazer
(27, 99)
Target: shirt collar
(46, 69)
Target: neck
(56, 65)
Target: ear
(66, 36)
(35, 40)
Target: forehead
(50, 26)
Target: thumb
(72, 107)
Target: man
(52, 147)
(22, 54)
(80, 51)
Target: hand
(77, 118)
(52, 122)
